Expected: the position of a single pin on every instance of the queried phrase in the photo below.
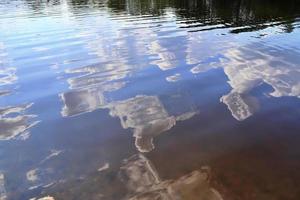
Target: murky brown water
(145, 100)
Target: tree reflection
(252, 15)
(231, 13)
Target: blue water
(127, 99)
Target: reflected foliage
(250, 15)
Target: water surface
(150, 99)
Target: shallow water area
(148, 99)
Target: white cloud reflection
(44, 198)
(238, 105)
(81, 101)
(146, 115)
(119, 48)
(7, 74)
(174, 78)
(3, 195)
(143, 183)
(148, 118)
(14, 122)
(247, 67)
(166, 59)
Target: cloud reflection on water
(7, 74)
(3, 195)
(146, 115)
(14, 122)
(143, 183)
(247, 67)
(123, 46)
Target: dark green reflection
(247, 15)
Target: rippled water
(150, 99)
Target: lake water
(150, 99)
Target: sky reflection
(149, 99)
